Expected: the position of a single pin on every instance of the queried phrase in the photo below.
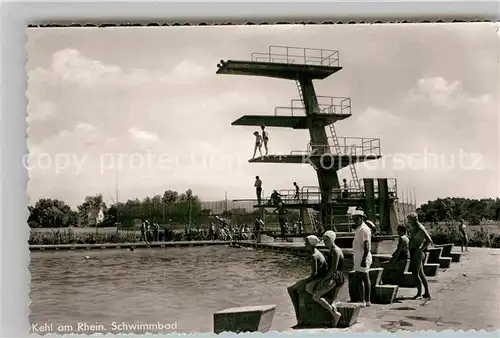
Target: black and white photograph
(274, 178)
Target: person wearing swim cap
(319, 268)
(361, 247)
(334, 278)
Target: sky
(142, 109)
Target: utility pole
(226, 203)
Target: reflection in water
(150, 286)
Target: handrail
(323, 57)
(325, 105)
(367, 146)
(312, 194)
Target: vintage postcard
(263, 178)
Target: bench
(244, 319)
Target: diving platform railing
(311, 195)
(352, 146)
(327, 105)
(298, 55)
(363, 147)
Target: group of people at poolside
(226, 232)
(150, 232)
(327, 275)
(275, 197)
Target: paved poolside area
(465, 297)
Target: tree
(49, 213)
(170, 197)
(91, 204)
(447, 209)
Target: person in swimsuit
(258, 144)
(258, 189)
(258, 228)
(282, 212)
(319, 268)
(334, 278)
(419, 241)
(297, 191)
(464, 240)
(402, 252)
(275, 198)
(345, 191)
(265, 137)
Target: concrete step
(407, 281)
(431, 270)
(384, 294)
(349, 312)
(446, 249)
(244, 319)
(455, 257)
(433, 255)
(444, 262)
(380, 294)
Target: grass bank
(70, 236)
(479, 236)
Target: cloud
(443, 95)
(143, 135)
(39, 112)
(438, 91)
(70, 66)
(186, 72)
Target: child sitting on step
(402, 251)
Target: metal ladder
(299, 88)
(336, 146)
(335, 141)
(311, 219)
(354, 173)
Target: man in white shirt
(361, 247)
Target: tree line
(186, 208)
(456, 208)
(170, 207)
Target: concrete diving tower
(326, 152)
